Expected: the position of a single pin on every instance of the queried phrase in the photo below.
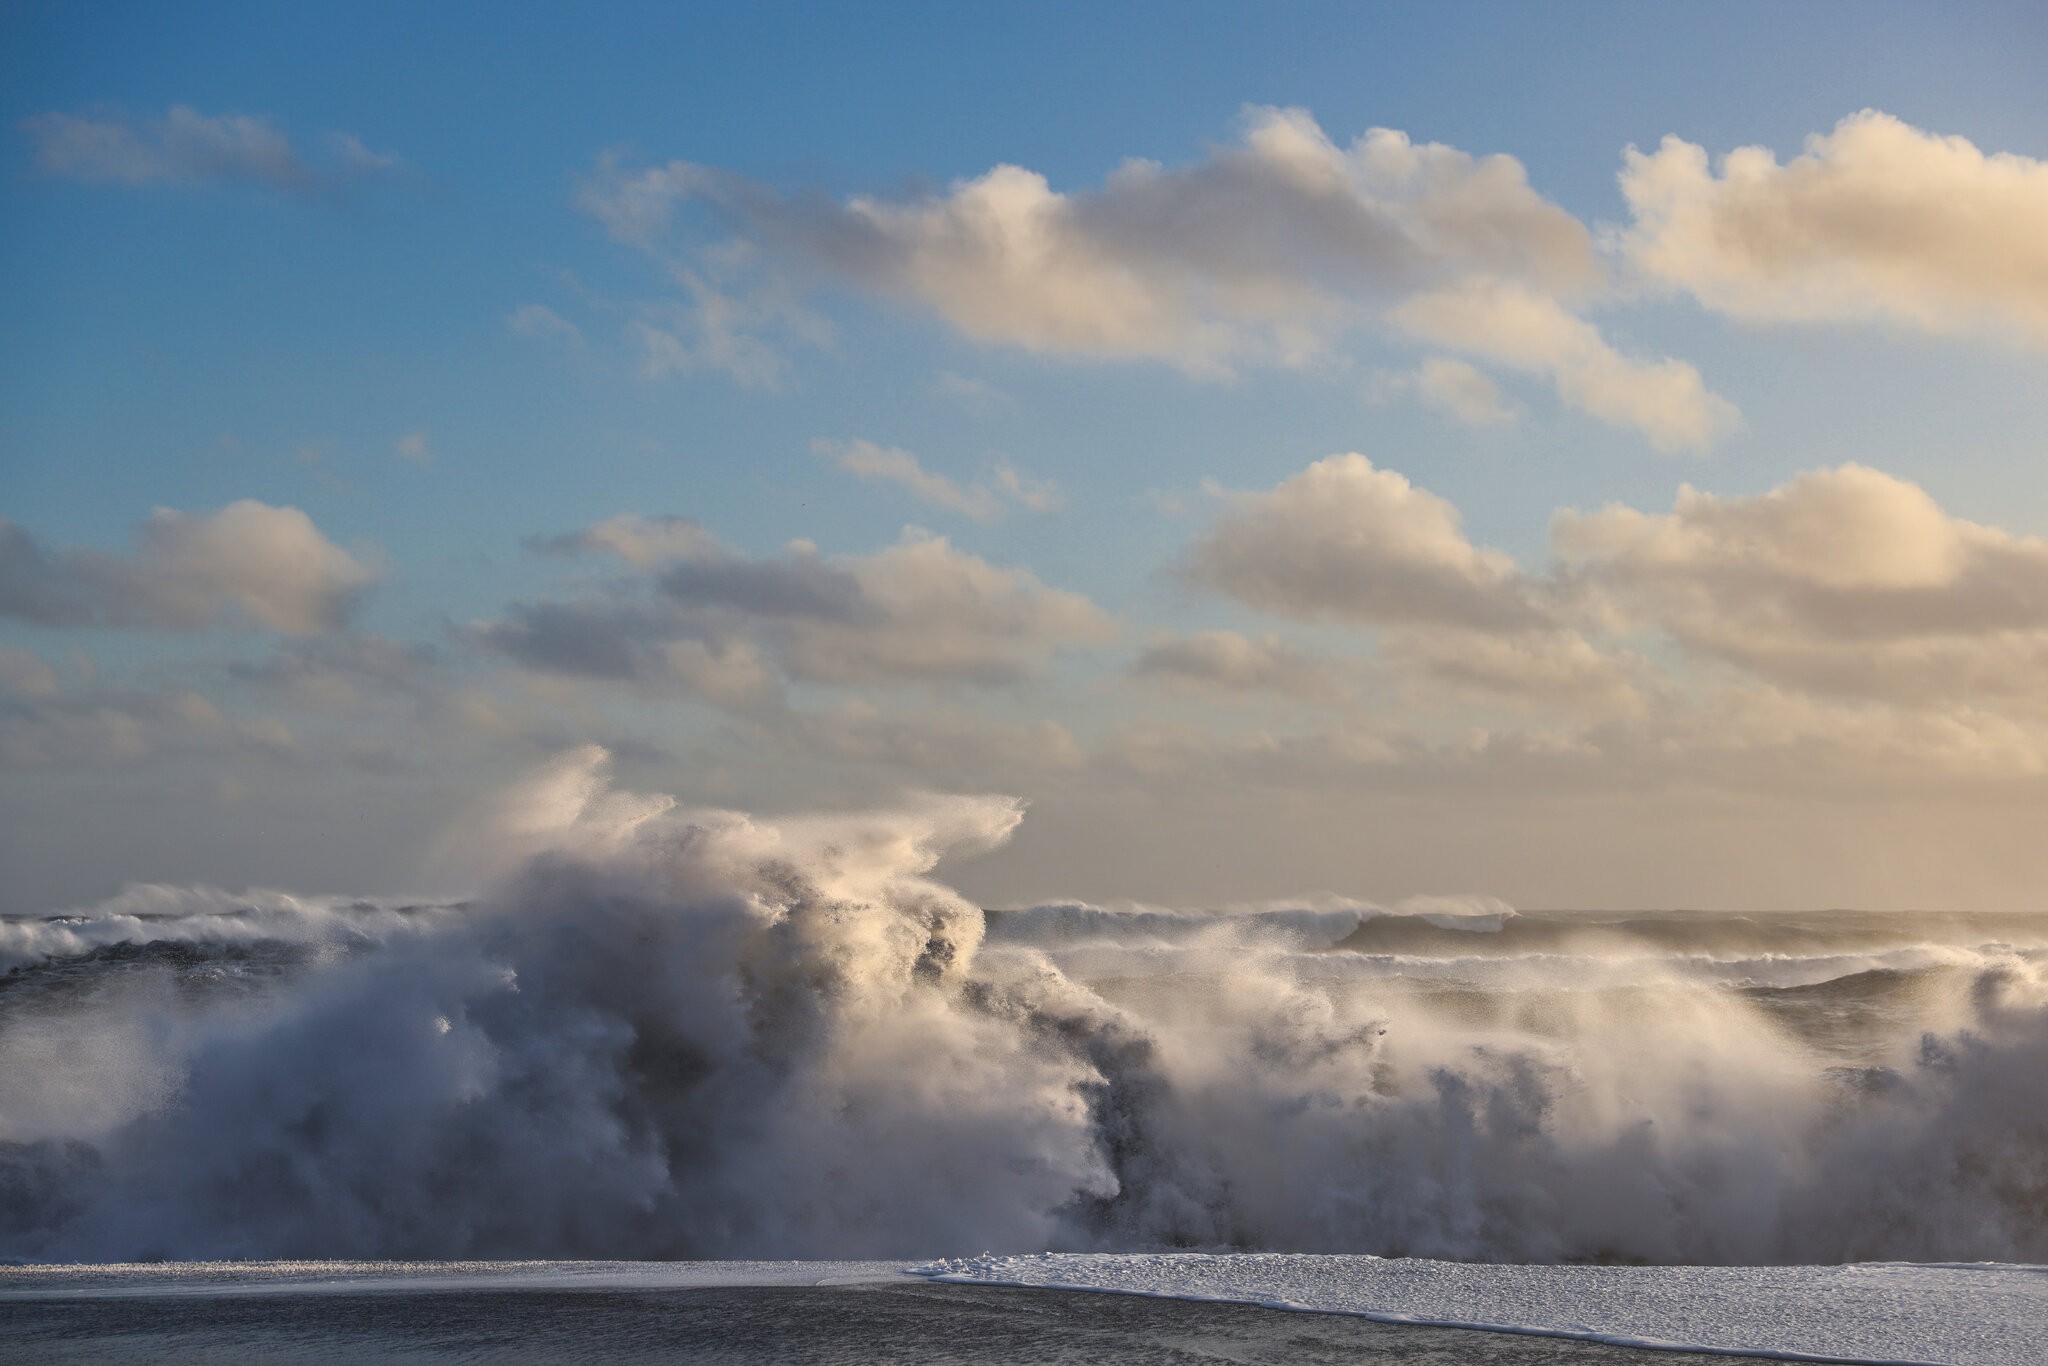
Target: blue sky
(411, 295)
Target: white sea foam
(1983, 1315)
(148, 913)
(660, 1033)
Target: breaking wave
(671, 1034)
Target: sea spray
(660, 1033)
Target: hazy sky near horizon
(1588, 455)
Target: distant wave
(668, 1034)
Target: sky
(1586, 455)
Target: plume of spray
(661, 1033)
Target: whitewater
(672, 1035)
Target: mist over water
(670, 1034)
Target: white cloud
(975, 395)
(1264, 252)
(1843, 582)
(982, 502)
(269, 565)
(1555, 669)
(1343, 540)
(1664, 400)
(893, 465)
(727, 673)
(735, 306)
(541, 323)
(185, 147)
(1847, 580)
(917, 612)
(716, 333)
(415, 447)
(640, 541)
(1026, 491)
(933, 612)
(1451, 387)
(108, 727)
(349, 150)
(1876, 219)
(1260, 252)
(1228, 662)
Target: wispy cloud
(538, 322)
(983, 501)
(184, 147)
(1665, 400)
(1451, 387)
(975, 395)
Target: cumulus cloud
(982, 502)
(1876, 219)
(1228, 662)
(1263, 252)
(1665, 400)
(919, 611)
(1847, 580)
(185, 147)
(248, 562)
(1452, 387)
(1346, 541)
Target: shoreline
(1877, 1314)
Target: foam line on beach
(1875, 1314)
